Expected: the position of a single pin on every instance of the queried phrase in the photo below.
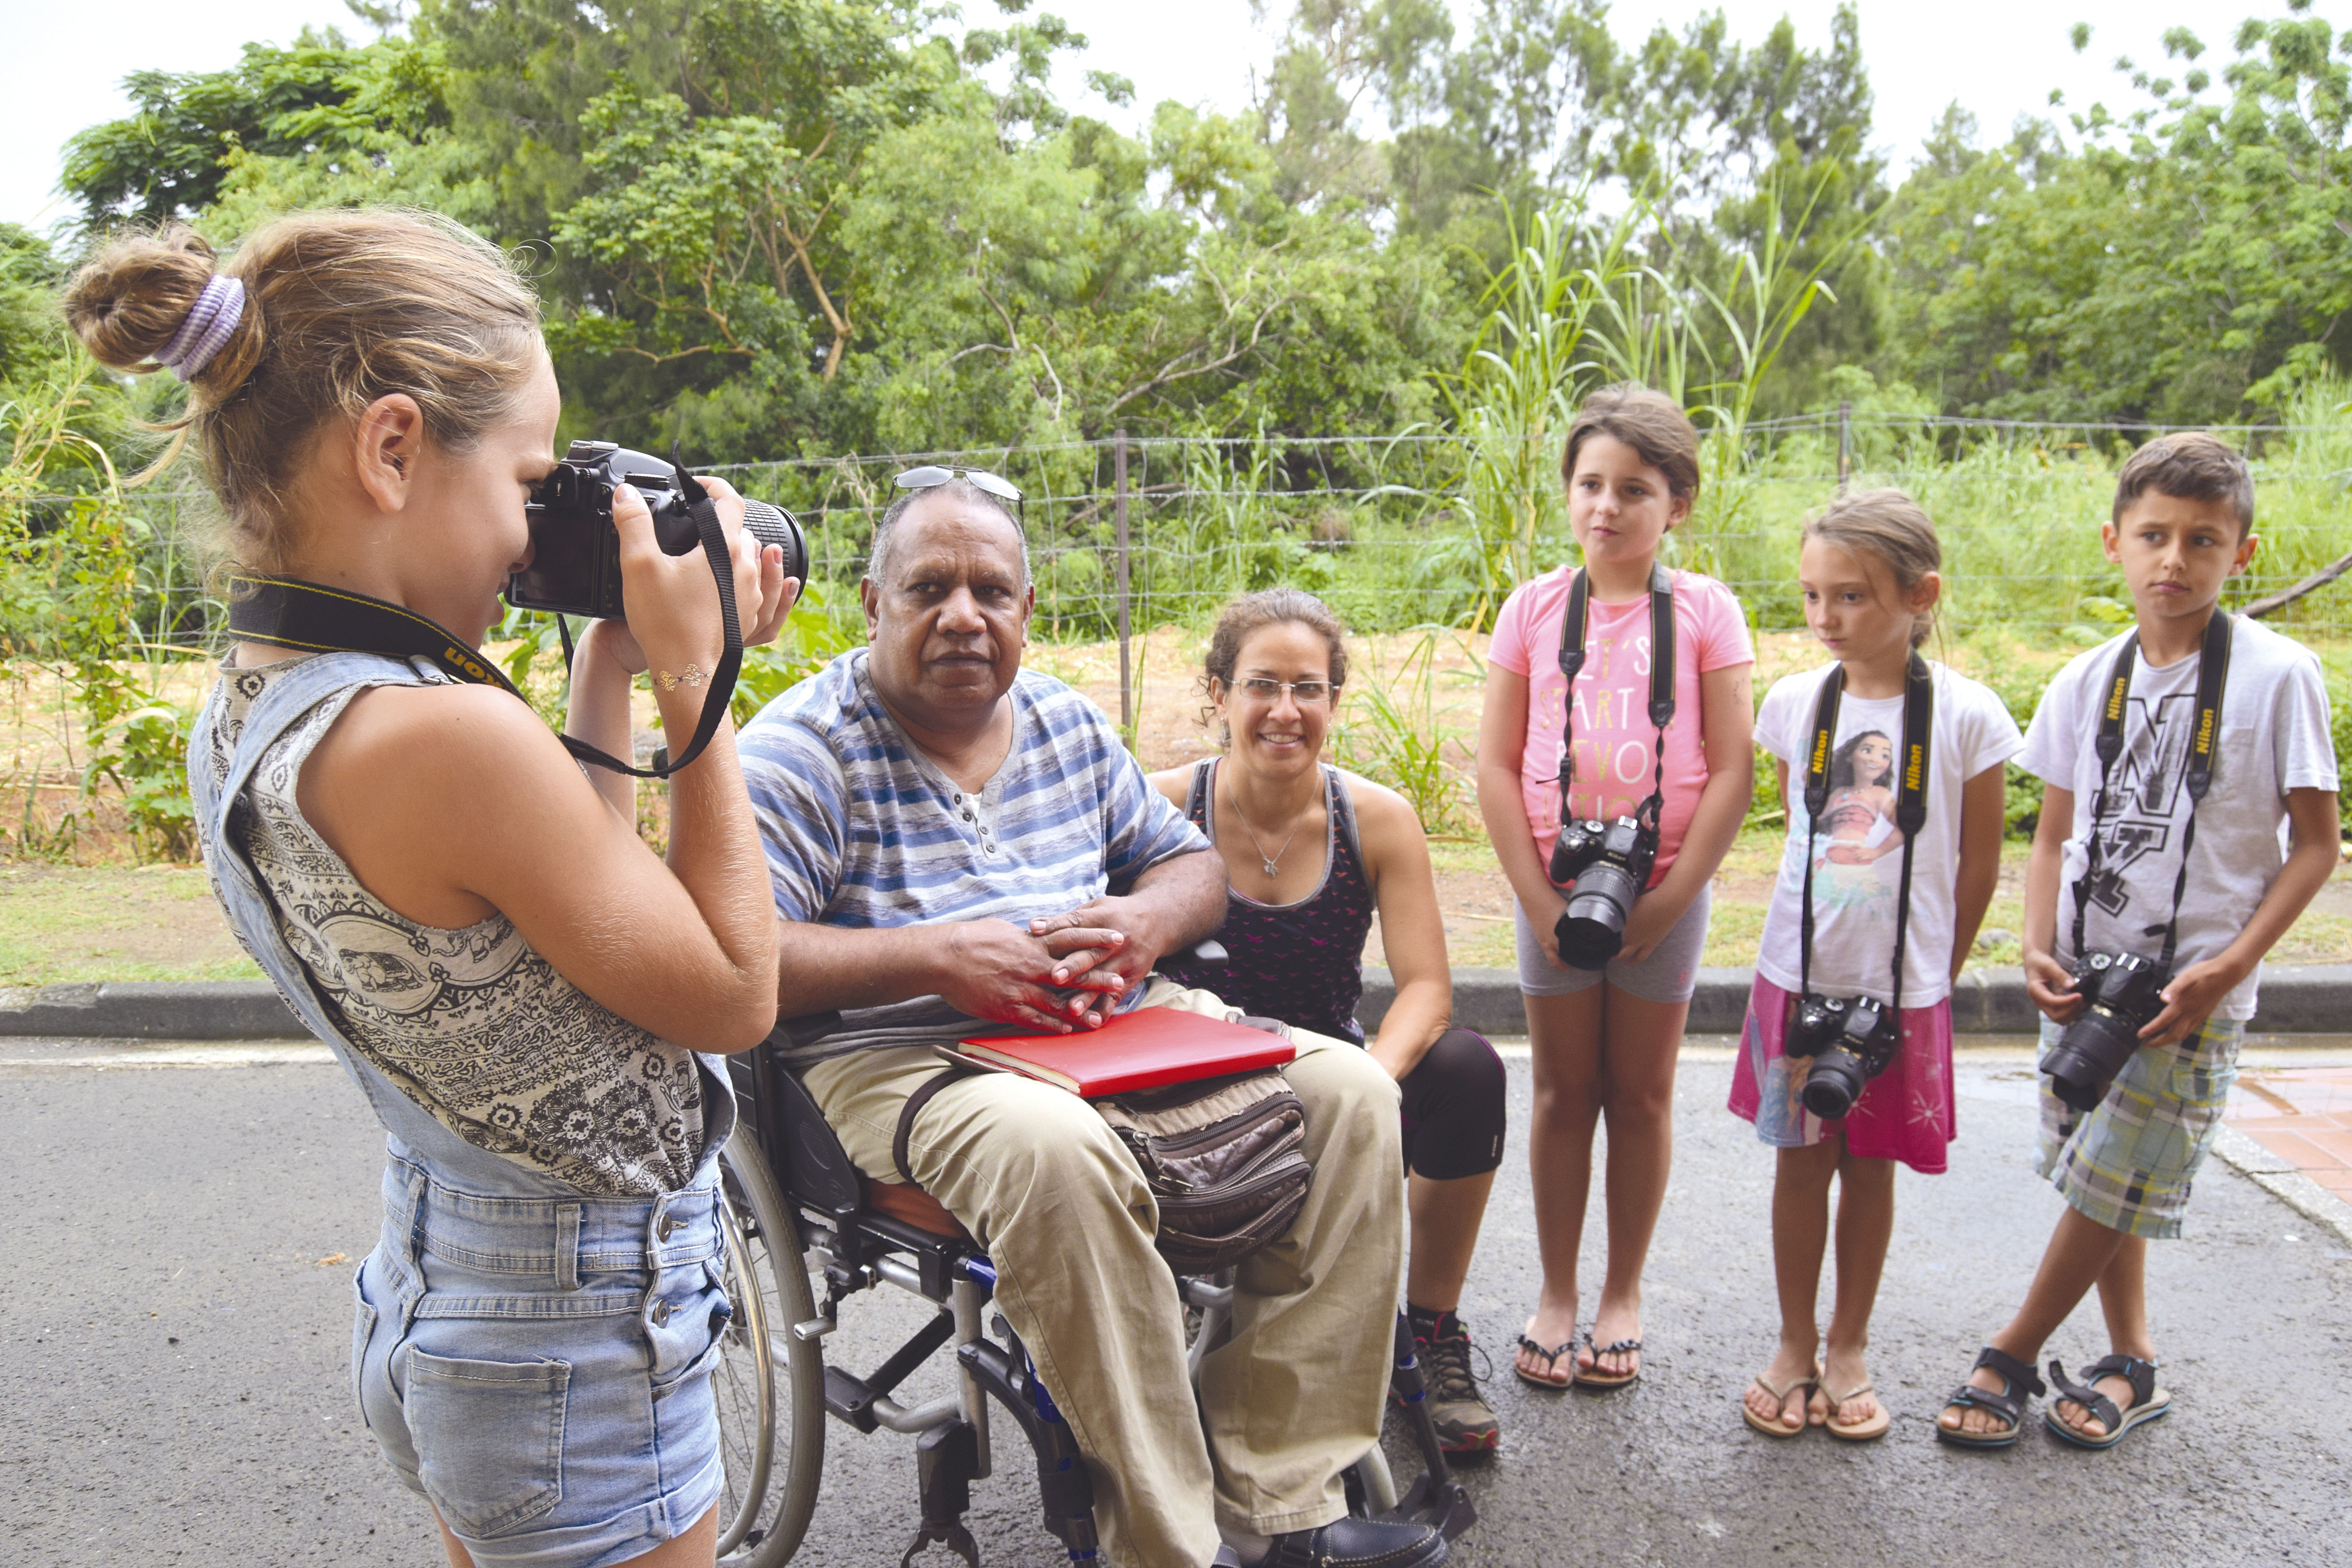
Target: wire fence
(1131, 532)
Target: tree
(2185, 262)
(337, 109)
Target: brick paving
(2303, 1114)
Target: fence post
(1845, 446)
(1126, 692)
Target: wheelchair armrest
(803, 1150)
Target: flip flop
(1605, 1381)
(1779, 1397)
(1551, 1359)
(1873, 1425)
(2148, 1401)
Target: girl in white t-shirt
(1869, 573)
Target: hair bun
(128, 302)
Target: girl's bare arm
(1412, 930)
(1728, 703)
(1502, 743)
(1979, 868)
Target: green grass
(61, 923)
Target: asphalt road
(174, 1382)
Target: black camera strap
(310, 618)
(1661, 684)
(1910, 801)
(2204, 736)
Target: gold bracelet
(690, 676)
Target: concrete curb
(2296, 1000)
(2300, 999)
(2279, 1176)
(184, 1010)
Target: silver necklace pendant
(1270, 868)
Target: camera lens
(774, 525)
(1593, 929)
(2089, 1053)
(1835, 1082)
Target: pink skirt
(1904, 1113)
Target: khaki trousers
(1295, 1394)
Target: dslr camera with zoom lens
(1851, 1039)
(575, 560)
(2123, 992)
(1608, 864)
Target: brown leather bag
(1225, 1159)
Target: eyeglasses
(930, 476)
(1305, 692)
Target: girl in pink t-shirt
(1605, 1039)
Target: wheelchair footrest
(946, 1459)
(1443, 1503)
(847, 1398)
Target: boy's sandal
(2148, 1401)
(2020, 1383)
(1604, 1381)
(1873, 1425)
(1550, 1360)
(1777, 1426)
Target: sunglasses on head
(930, 476)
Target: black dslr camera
(1607, 863)
(575, 559)
(2123, 992)
(1851, 1039)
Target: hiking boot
(1465, 1422)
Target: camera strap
(310, 618)
(2204, 736)
(1910, 801)
(1661, 684)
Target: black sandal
(1605, 1381)
(1551, 1363)
(2021, 1383)
(2148, 1401)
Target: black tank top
(1302, 962)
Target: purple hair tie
(210, 320)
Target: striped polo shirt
(862, 830)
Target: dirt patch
(116, 922)
(61, 923)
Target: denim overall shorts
(533, 1360)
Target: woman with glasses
(1311, 855)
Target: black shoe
(1352, 1542)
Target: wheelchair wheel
(770, 1386)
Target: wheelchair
(796, 1204)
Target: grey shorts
(1669, 974)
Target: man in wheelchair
(956, 844)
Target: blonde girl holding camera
(521, 988)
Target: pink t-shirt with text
(1615, 745)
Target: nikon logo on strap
(460, 657)
(286, 612)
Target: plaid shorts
(2127, 1163)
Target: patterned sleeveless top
(473, 1025)
(1302, 962)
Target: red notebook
(1144, 1048)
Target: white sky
(1998, 57)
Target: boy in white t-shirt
(2182, 526)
